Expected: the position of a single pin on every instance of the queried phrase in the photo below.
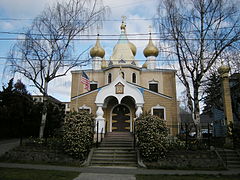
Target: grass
(187, 177)
(72, 164)
(27, 174)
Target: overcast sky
(25, 10)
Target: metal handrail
(101, 135)
(134, 136)
(97, 134)
(105, 127)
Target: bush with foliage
(78, 134)
(152, 135)
(174, 144)
(21, 116)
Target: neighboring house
(39, 98)
(66, 107)
(120, 90)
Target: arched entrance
(121, 118)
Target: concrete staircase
(116, 149)
(231, 158)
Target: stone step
(121, 153)
(234, 166)
(107, 159)
(233, 162)
(116, 148)
(117, 145)
(118, 137)
(103, 163)
(116, 142)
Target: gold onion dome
(223, 69)
(150, 50)
(144, 65)
(133, 48)
(97, 50)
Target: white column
(139, 110)
(151, 62)
(99, 119)
(97, 62)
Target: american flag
(85, 80)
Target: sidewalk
(6, 145)
(119, 170)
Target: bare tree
(48, 49)
(198, 32)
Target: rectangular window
(87, 110)
(153, 87)
(159, 113)
(93, 87)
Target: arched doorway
(121, 118)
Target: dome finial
(123, 25)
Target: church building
(118, 90)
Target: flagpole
(79, 80)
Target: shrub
(78, 134)
(175, 144)
(152, 134)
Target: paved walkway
(93, 176)
(103, 173)
(119, 170)
(6, 145)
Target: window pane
(134, 78)
(93, 87)
(87, 110)
(153, 87)
(159, 113)
(109, 78)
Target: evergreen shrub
(152, 135)
(78, 134)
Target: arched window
(109, 78)
(122, 73)
(134, 79)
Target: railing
(193, 142)
(134, 136)
(97, 134)
(101, 137)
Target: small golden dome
(133, 48)
(144, 65)
(97, 50)
(223, 69)
(150, 50)
(104, 64)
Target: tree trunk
(44, 111)
(196, 113)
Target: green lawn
(27, 174)
(186, 177)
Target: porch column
(139, 110)
(99, 119)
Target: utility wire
(113, 39)
(69, 60)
